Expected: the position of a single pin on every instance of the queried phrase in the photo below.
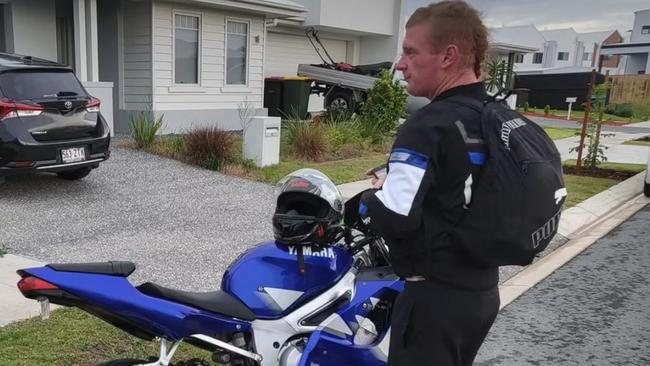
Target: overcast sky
(582, 15)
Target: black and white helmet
(309, 209)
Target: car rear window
(22, 85)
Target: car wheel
(340, 104)
(646, 189)
(74, 174)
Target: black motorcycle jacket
(434, 164)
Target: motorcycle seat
(115, 268)
(219, 302)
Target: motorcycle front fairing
(333, 342)
(114, 299)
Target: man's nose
(401, 65)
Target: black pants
(435, 324)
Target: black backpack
(515, 208)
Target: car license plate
(73, 154)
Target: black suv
(48, 122)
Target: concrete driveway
(181, 225)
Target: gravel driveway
(181, 225)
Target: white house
(638, 49)
(561, 49)
(526, 36)
(195, 61)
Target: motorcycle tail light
(31, 284)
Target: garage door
(284, 52)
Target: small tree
(595, 150)
(385, 104)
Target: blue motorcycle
(278, 304)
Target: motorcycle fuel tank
(267, 278)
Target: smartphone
(378, 172)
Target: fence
(630, 89)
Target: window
(21, 85)
(538, 57)
(562, 56)
(519, 58)
(186, 49)
(645, 29)
(586, 56)
(236, 53)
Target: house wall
(384, 48)
(345, 15)
(133, 85)
(613, 61)
(108, 12)
(566, 42)
(641, 18)
(381, 21)
(636, 63)
(212, 101)
(34, 28)
(137, 64)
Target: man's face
(421, 66)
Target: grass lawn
(72, 337)
(561, 133)
(614, 166)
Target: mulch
(619, 175)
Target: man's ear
(451, 56)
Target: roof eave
(269, 9)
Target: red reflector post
(30, 284)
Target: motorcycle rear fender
(115, 300)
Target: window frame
(645, 29)
(237, 87)
(587, 56)
(519, 58)
(541, 59)
(563, 53)
(199, 55)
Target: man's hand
(377, 183)
(378, 176)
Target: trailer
(343, 85)
(343, 90)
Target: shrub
(547, 110)
(3, 250)
(209, 147)
(341, 134)
(305, 139)
(526, 107)
(641, 111)
(384, 105)
(144, 129)
(621, 110)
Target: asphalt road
(593, 311)
(181, 225)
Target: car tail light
(93, 105)
(11, 109)
(31, 284)
(24, 164)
